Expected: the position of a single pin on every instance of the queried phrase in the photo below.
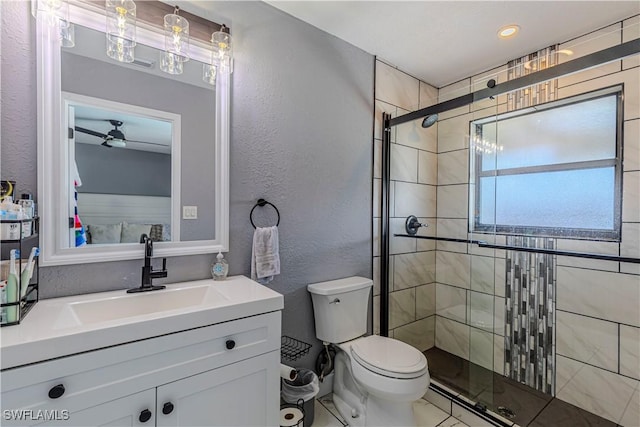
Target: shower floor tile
(532, 408)
(524, 401)
(457, 373)
(563, 414)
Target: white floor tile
(427, 414)
(323, 418)
(452, 422)
(327, 402)
(439, 400)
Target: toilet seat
(389, 357)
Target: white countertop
(53, 329)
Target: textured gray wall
(301, 132)
(121, 171)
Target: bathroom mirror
(147, 148)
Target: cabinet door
(245, 393)
(135, 410)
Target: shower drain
(506, 412)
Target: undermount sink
(129, 305)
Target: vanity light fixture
(221, 56)
(47, 9)
(121, 29)
(176, 43)
(56, 14)
(508, 31)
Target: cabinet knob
(167, 408)
(56, 391)
(230, 344)
(145, 416)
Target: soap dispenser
(220, 269)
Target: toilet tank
(340, 308)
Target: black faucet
(148, 273)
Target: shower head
(429, 120)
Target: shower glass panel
(485, 300)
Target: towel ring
(261, 203)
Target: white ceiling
(441, 42)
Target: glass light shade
(120, 49)
(176, 37)
(209, 74)
(121, 29)
(46, 7)
(117, 143)
(67, 33)
(171, 63)
(222, 50)
(221, 44)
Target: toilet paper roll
(288, 373)
(290, 417)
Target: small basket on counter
(19, 294)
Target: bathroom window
(552, 170)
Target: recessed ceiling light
(508, 31)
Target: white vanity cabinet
(224, 374)
(134, 410)
(235, 395)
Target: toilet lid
(389, 357)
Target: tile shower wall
(452, 295)
(598, 302)
(413, 192)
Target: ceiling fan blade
(90, 132)
(108, 138)
(146, 142)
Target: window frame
(477, 173)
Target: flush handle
(335, 301)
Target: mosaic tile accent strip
(536, 94)
(530, 314)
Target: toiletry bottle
(12, 287)
(27, 272)
(3, 300)
(26, 203)
(11, 211)
(220, 269)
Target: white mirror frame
(52, 154)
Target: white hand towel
(265, 257)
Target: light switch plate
(189, 212)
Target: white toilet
(376, 378)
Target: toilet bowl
(376, 378)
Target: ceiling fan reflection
(115, 137)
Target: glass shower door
(485, 297)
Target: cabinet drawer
(106, 374)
